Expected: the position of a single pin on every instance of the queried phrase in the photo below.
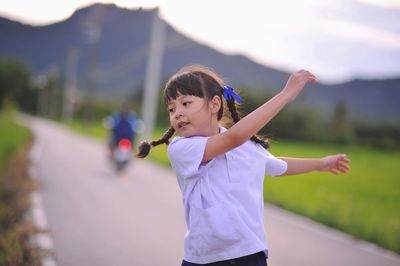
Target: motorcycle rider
(122, 125)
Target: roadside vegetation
(15, 186)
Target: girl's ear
(215, 104)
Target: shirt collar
(222, 129)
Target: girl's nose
(179, 111)
(178, 114)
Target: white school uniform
(223, 198)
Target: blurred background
(79, 55)
(75, 62)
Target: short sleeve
(275, 166)
(186, 155)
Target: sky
(337, 40)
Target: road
(97, 217)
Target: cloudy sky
(336, 39)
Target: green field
(364, 203)
(94, 129)
(12, 136)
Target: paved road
(99, 218)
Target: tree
(16, 85)
(341, 129)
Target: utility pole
(41, 82)
(54, 89)
(94, 33)
(153, 75)
(70, 93)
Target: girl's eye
(170, 110)
(186, 103)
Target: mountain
(121, 52)
(367, 100)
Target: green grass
(12, 137)
(15, 186)
(364, 203)
(94, 129)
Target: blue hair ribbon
(230, 94)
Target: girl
(221, 171)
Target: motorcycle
(122, 154)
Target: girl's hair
(200, 81)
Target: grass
(94, 129)
(15, 186)
(12, 136)
(364, 203)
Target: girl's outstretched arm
(253, 122)
(333, 163)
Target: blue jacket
(123, 127)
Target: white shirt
(223, 199)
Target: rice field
(364, 202)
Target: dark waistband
(245, 260)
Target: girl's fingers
(343, 169)
(344, 165)
(346, 160)
(338, 164)
(311, 77)
(343, 160)
(334, 171)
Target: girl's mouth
(182, 124)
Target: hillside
(121, 52)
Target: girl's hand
(296, 83)
(335, 163)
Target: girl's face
(193, 116)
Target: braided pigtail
(145, 146)
(236, 117)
